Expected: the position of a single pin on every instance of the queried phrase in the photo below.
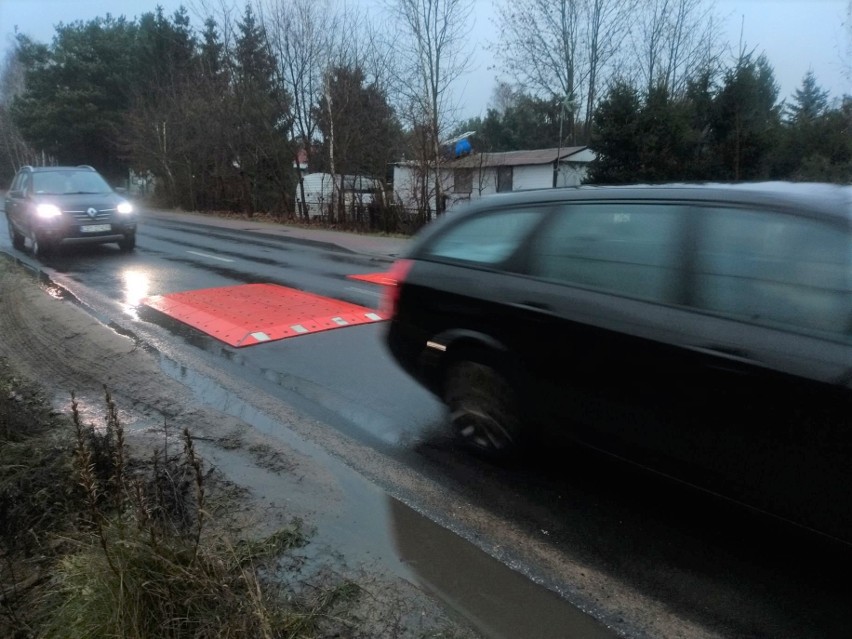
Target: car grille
(81, 217)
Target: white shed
(480, 174)
(358, 190)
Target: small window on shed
(504, 178)
(463, 181)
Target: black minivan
(701, 331)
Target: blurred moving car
(702, 331)
(54, 205)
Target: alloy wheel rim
(479, 428)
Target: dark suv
(702, 331)
(53, 205)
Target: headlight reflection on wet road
(137, 285)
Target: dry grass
(95, 543)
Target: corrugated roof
(513, 158)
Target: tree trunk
(335, 190)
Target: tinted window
(486, 239)
(780, 269)
(624, 248)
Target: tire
(41, 247)
(17, 238)
(483, 409)
(128, 243)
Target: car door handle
(533, 306)
(731, 357)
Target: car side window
(16, 183)
(630, 249)
(25, 185)
(774, 268)
(486, 239)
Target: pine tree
(366, 131)
(262, 109)
(77, 92)
(615, 137)
(746, 120)
(810, 102)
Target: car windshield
(65, 182)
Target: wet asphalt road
(710, 568)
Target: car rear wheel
(128, 243)
(483, 408)
(17, 238)
(41, 246)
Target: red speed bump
(384, 279)
(253, 313)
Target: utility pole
(559, 147)
(567, 101)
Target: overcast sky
(796, 35)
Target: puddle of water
(369, 527)
(498, 601)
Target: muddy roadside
(61, 349)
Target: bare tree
(503, 96)
(608, 24)
(313, 43)
(846, 57)
(561, 48)
(432, 47)
(301, 35)
(344, 53)
(14, 151)
(539, 42)
(483, 175)
(673, 39)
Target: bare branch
(433, 49)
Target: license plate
(95, 228)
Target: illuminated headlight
(125, 207)
(48, 211)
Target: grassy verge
(96, 543)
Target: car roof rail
(26, 166)
(85, 166)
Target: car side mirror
(15, 193)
